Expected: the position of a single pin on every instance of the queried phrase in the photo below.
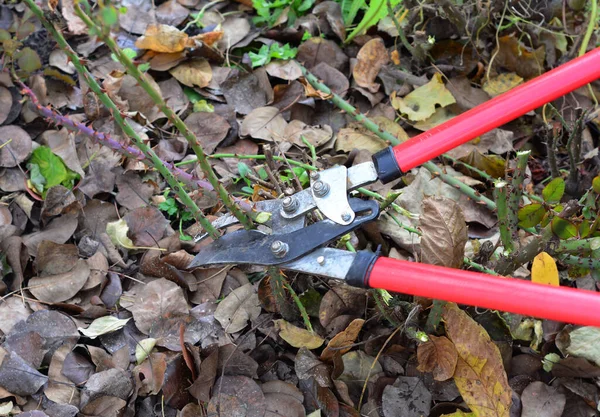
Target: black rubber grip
(386, 165)
(361, 267)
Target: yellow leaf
(501, 83)
(196, 72)
(298, 337)
(479, 376)
(162, 38)
(420, 104)
(544, 271)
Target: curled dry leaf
(196, 72)
(479, 374)
(60, 287)
(343, 341)
(162, 38)
(237, 308)
(298, 337)
(515, 56)
(371, 57)
(15, 146)
(421, 103)
(264, 123)
(333, 14)
(307, 365)
(59, 388)
(286, 70)
(6, 103)
(444, 232)
(437, 355)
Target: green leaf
(596, 184)
(170, 206)
(192, 94)
(51, 167)
(103, 325)
(143, 349)
(261, 58)
(109, 15)
(553, 192)
(117, 231)
(375, 12)
(203, 106)
(144, 67)
(263, 217)
(243, 169)
(36, 177)
(549, 361)
(531, 215)
(28, 60)
(563, 228)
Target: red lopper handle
(498, 111)
(562, 304)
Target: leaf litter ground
(99, 315)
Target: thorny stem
(551, 150)
(514, 197)
(503, 222)
(488, 177)
(300, 306)
(393, 140)
(141, 78)
(125, 126)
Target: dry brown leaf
(444, 232)
(237, 308)
(196, 72)
(60, 287)
(437, 355)
(315, 135)
(343, 341)
(371, 57)
(514, 56)
(264, 123)
(479, 375)
(16, 146)
(162, 38)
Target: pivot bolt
(320, 188)
(279, 248)
(314, 175)
(290, 204)
(321, 260)
(346, 216)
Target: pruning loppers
(289, 241)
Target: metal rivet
(314, 175)
(290, 204)
(321, 260)
(320, 188)
(279, 248)
(346, 216)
